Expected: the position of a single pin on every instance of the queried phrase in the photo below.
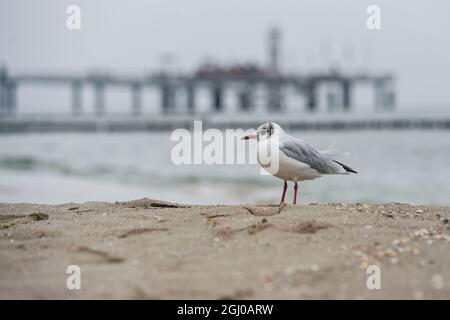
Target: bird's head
(264, 131)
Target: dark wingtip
(350, 170)
(346, 168)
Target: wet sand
(147, 249)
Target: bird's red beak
(248, 137)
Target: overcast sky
(132, 36)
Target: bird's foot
(282, 205)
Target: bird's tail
(346, 168)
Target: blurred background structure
(242, 79)
(86, 114)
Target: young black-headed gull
(292, 159)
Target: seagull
(296, 160)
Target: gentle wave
(407, 166)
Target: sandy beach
(147, 249)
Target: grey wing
(301, 151)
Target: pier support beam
(167, 97)
(311, 97)
(3, 90)
(384, 95)
(76, 98)
(378, 94)
(389, 95)
(11, 98)
(332, 101)
(275, 96)
(190, 96)
(136, 99)
(390, 100)
(217, 97)
(2, 100)
(346, 94)
(246, 98)
(99, 88)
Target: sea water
(393, 166)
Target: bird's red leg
(284, 192)
(295, 192)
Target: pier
(178, 93)
(242, 82)
(253, 87)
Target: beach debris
(422, 233)
(363, 263)
(135, 232)
(102, 255)
(362, 207)
(263, 211)
(309, 227)
(255, 228)
(227, 233)
(166, 205)
(419, 211)
(213, 216)
(73, 208)
(388, 253)
(211, 221)
(363, 259)
(341, 206)
(38, 216)
(8, 220)
(9, 217)
(402, 241)
(84, 211)
(146, 203)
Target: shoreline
(148, 249)
(158, 123)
